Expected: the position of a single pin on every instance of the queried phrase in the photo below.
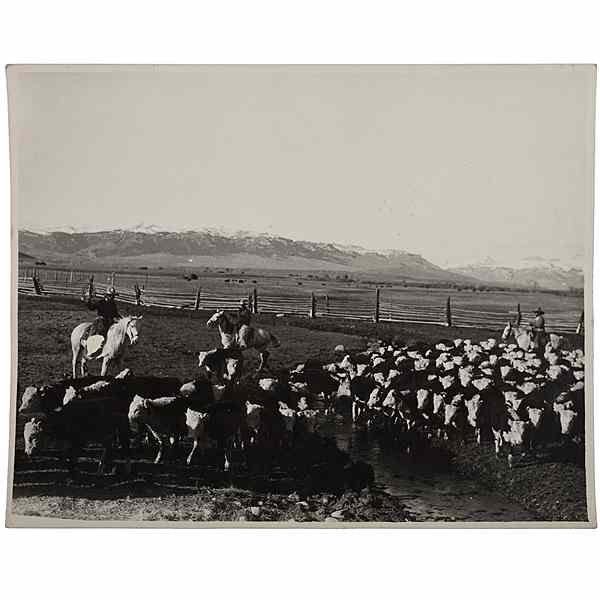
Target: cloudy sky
(455, 163)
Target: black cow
(77, 424)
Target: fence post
(518, 314)
(580, 325)
(448, 313)
(197, 303)
(327, 303)
(313, 306)
(376, 315)
(138, 294)
(255, 301)
(36, 285)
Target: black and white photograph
(302, 295)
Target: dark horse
(256, 337)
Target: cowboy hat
(538, 311)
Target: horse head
(216, 319)
(133, 326)
(507, 330)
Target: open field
(168, 344)
(290, 293)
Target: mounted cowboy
(245, 337)
(244, 331)
(108, 313)
(539, 330)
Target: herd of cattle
(488, 391)
(454, 389)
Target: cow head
(474, 409)
(289, 418)
(438, 403)
(423, 399)
(31, 400)
(568, 420)
(34, 435)
(70, 395)
(136, 409)
(517, 435)
(535, 415)
(452, 411)
(465, 375)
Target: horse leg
(76, 352)
(191, 454)
(227, 451)
(264, 356)
(104, 369)
(84, 370)
(159, 441)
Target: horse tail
(274, 341)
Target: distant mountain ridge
(544, 276)
(150, 246)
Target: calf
(320, 383)
(476, 415)
(222, 364)
(160, 417)
(196, 423)
(455, 419)
(360, 390)
(517, 436)
(201, 393)
(498, 416)
(224, 424)
(571, 423)
(95, 391)
(46, 398)
(77, 424)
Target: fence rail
(365, 305)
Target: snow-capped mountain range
(152, 245)
(554, 273)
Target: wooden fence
(364, 305)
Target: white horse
(126, 328)
(523, 335)
(256, 337)
(525, 338)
